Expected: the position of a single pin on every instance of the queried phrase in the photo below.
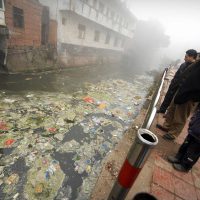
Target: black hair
(192, 53)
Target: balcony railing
(64, 5)
(81, 8)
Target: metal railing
(139, 151)
(152, 107)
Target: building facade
(80, 32)
(3, 36)
(91, 28)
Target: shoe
(173, 159)
(160, 111)
(180, 168)
(169, 136)
(162, 128)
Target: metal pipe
(154, 101)
(151, 118)
(133, 164)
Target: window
(18, 17)
(107, 12)
(120, 20)
(122, 43)
(112, 15)
(116, 42)
(101, 7)
(107, 38)
(117, 18)
(96, 36)
(97, 14)
(63, 21)
(81, 29)
(126, 25)
(1, 4)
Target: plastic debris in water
(138, 97)
(46, 119)
(30, 95)
(88, 169)
(47, 175)
(28, 79)
(3, 126)
(102, 106)
(39, 188)
(59, 136)
(52, 130)
(9, 100)
(88, 100)
(15, 196)
(9, 142)
(13, 179)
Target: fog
(179, 19)
(144, 52)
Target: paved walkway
(167, 183)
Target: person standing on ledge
(184, 102)
(190, 58)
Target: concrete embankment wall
(71, 55)
(29, 59)
(36, 59)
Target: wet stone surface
(53, 143)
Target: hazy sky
(180, 18)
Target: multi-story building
(89, 28)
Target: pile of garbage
(52, 145)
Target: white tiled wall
(68, 33)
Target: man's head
(190, 55)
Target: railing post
(133, 164)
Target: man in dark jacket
(189, 152)
(189, 87)
(174, 85)
(188, 96)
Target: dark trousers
(189, 152)
(168, 98)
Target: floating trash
(88, 100)
(13, 179)
(63, 138)
(9, 142)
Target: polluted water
(53, 144)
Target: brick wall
(30, 35)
